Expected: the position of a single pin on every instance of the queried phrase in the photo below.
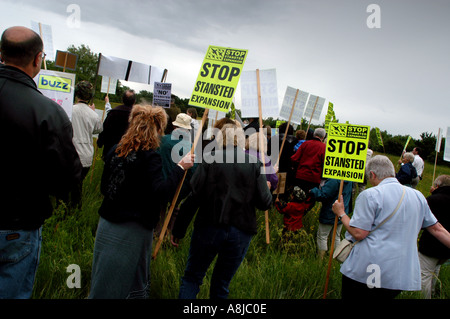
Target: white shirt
(393, 246)
(418, 164)
(85, 122)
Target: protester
(173, 148)
(252, 147)
(116, 122)
(385, 262)
(293, 211)
(432, 253)
(227, 192)
(252, 127)
(39, 160)
(134, 192)
(284, 162)
(86, 122)
(192, 112)
(328, 194)
(300, 135)
(419, 165)
(308, 161)
(407, 171)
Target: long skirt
(121, 262)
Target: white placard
(57, 86)
(47, 38)
(310, 107)
(447, 146)
(162, 94)
(215, 115)
(108, 82)
(269, 94)
(299, 106)
(127, 70)
(438, 140)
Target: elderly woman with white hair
(407, 171)
(385, 225)
(256, 145)
(228, 186)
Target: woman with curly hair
(134, 190)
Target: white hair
(381, 166)
(320, 132)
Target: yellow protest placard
(345, 155)
(218, 77)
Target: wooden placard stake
(261, 149)
(435, 159)
(312, 114)
(333, 240)
(177, 192)
(42, 37)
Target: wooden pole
(312, 114)
(96, 146)
(177, 192)
(42, 37)
(287, 127)
(332, 244)
(261, 148)
(65, 61)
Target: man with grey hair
(432, 253)
(385, 257)
(308, 161)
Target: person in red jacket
(294, 210)
(308, 161)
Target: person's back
(116, 123)
(39, 156)
(230, 189)
(38, 160)
(393, 245)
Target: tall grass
(270, 271)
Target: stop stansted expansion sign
(346, 151)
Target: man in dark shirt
(116, 123)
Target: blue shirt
(393, 246)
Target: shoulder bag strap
(392, 214)
(396, 208)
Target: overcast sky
(395, 77)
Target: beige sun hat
(183, 120)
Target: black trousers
(352, 289)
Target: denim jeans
(19, 259)
(229, 244)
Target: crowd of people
(148, 152)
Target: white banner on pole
(108, 82)
(128, 70)
(299, 106)
(162, 95)
(269, 94)
(310, 107)
(447, 146)
(47, 38)
(57, 86)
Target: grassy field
(269, 271)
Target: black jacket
(135, 188)
(227, 194)
(37, 155)
(439, 202)
(114, 127)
